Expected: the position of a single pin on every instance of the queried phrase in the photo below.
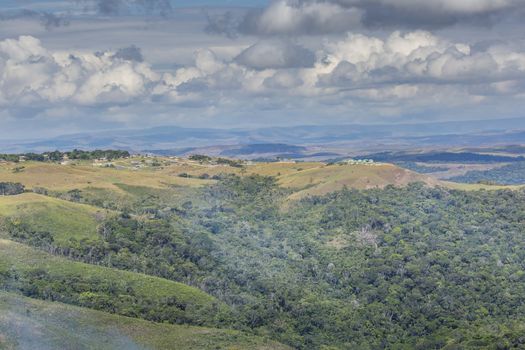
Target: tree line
(11, 188)
(56, 156)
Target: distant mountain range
(444, 157)
(306, 141)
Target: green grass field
(27, 323)
(63, 219)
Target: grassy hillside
(41, 275)
(101, 184)
(64, 220)
(325, 179)
(33, 324)
(318, 178)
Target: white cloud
(30, 73)
(21, 49)
(404, 71)
(415, 57)
(283, 80)
(276, 54)
(296, 17)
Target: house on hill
(100, 161)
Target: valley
(218, 253)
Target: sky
(84, 65)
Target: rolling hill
(64, 220)
(326, 179)
(119, 184)
(39, 274)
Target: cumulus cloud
(401, 66)
(305, 17)
(409, 68)
(301, 17)
(29, 73)
(283, 80)
(415, 58)
(131, 53)
(276, 54)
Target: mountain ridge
(360, 137)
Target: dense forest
(512, 174)
(396, 268)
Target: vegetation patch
(11, 188)
(32, 324)
(512, 174)
(40, 275)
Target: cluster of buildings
(359, 161)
